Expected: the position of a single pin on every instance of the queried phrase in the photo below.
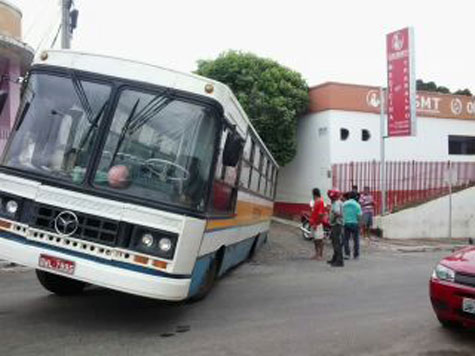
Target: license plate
(56, 264)
(468, 305)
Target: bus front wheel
(59, 285)
(208, 282)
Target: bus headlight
(165, 244)
(11, 207)
(147, 240)
(154, 242)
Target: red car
(452, 289)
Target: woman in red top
(316, 220)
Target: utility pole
(382, 169)
(65, 24)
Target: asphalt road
(281, 303)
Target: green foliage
(272, 95)
(465, 91)
(431, 86)
(443, 90)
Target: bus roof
(148, 73)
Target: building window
(461, 145)
(365, 135)
(344, 134)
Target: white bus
(131, 177)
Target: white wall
(430, 144)
(311, 165)
(317, 150)
(431, 220)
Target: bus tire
(252, 252)
(59, 285)
(211, 276)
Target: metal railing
(407, 182)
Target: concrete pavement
(281, 303)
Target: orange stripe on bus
(247, 213)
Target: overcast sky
(331, 40)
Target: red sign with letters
(401, 83)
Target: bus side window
(268, 177)
(255, 170)
(274, 181)
(262, 186)
(245, 165)
(224, 190)
(251, 160)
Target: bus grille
(91, 228)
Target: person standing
(316, 220)
(367, 206)
(355, 193)
(351, 219)
(336, 225)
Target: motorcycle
(306, 228)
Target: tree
(272, 95)
(443, 90)
(465, 91)
(431, 86)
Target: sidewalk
(403, 245)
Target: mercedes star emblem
(66, 223)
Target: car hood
(462, 260)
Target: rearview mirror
(232, 150)
(3, 99)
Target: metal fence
(407, 182)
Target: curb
(286, 221)
(450, 248)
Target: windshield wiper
(124, 131)
(23, 114)
(95, 120)
(80, 92)
(135, 121)
(153, 110)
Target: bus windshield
(157, 147)
(58, 124)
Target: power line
(47, 33)
(38, 17)
(56, 36)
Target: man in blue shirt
(351, 219)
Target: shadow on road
(99, 310)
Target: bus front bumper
(104, 273)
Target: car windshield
(159, 148)
(58, 125)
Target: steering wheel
(158, 167)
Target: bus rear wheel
(59, 285)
